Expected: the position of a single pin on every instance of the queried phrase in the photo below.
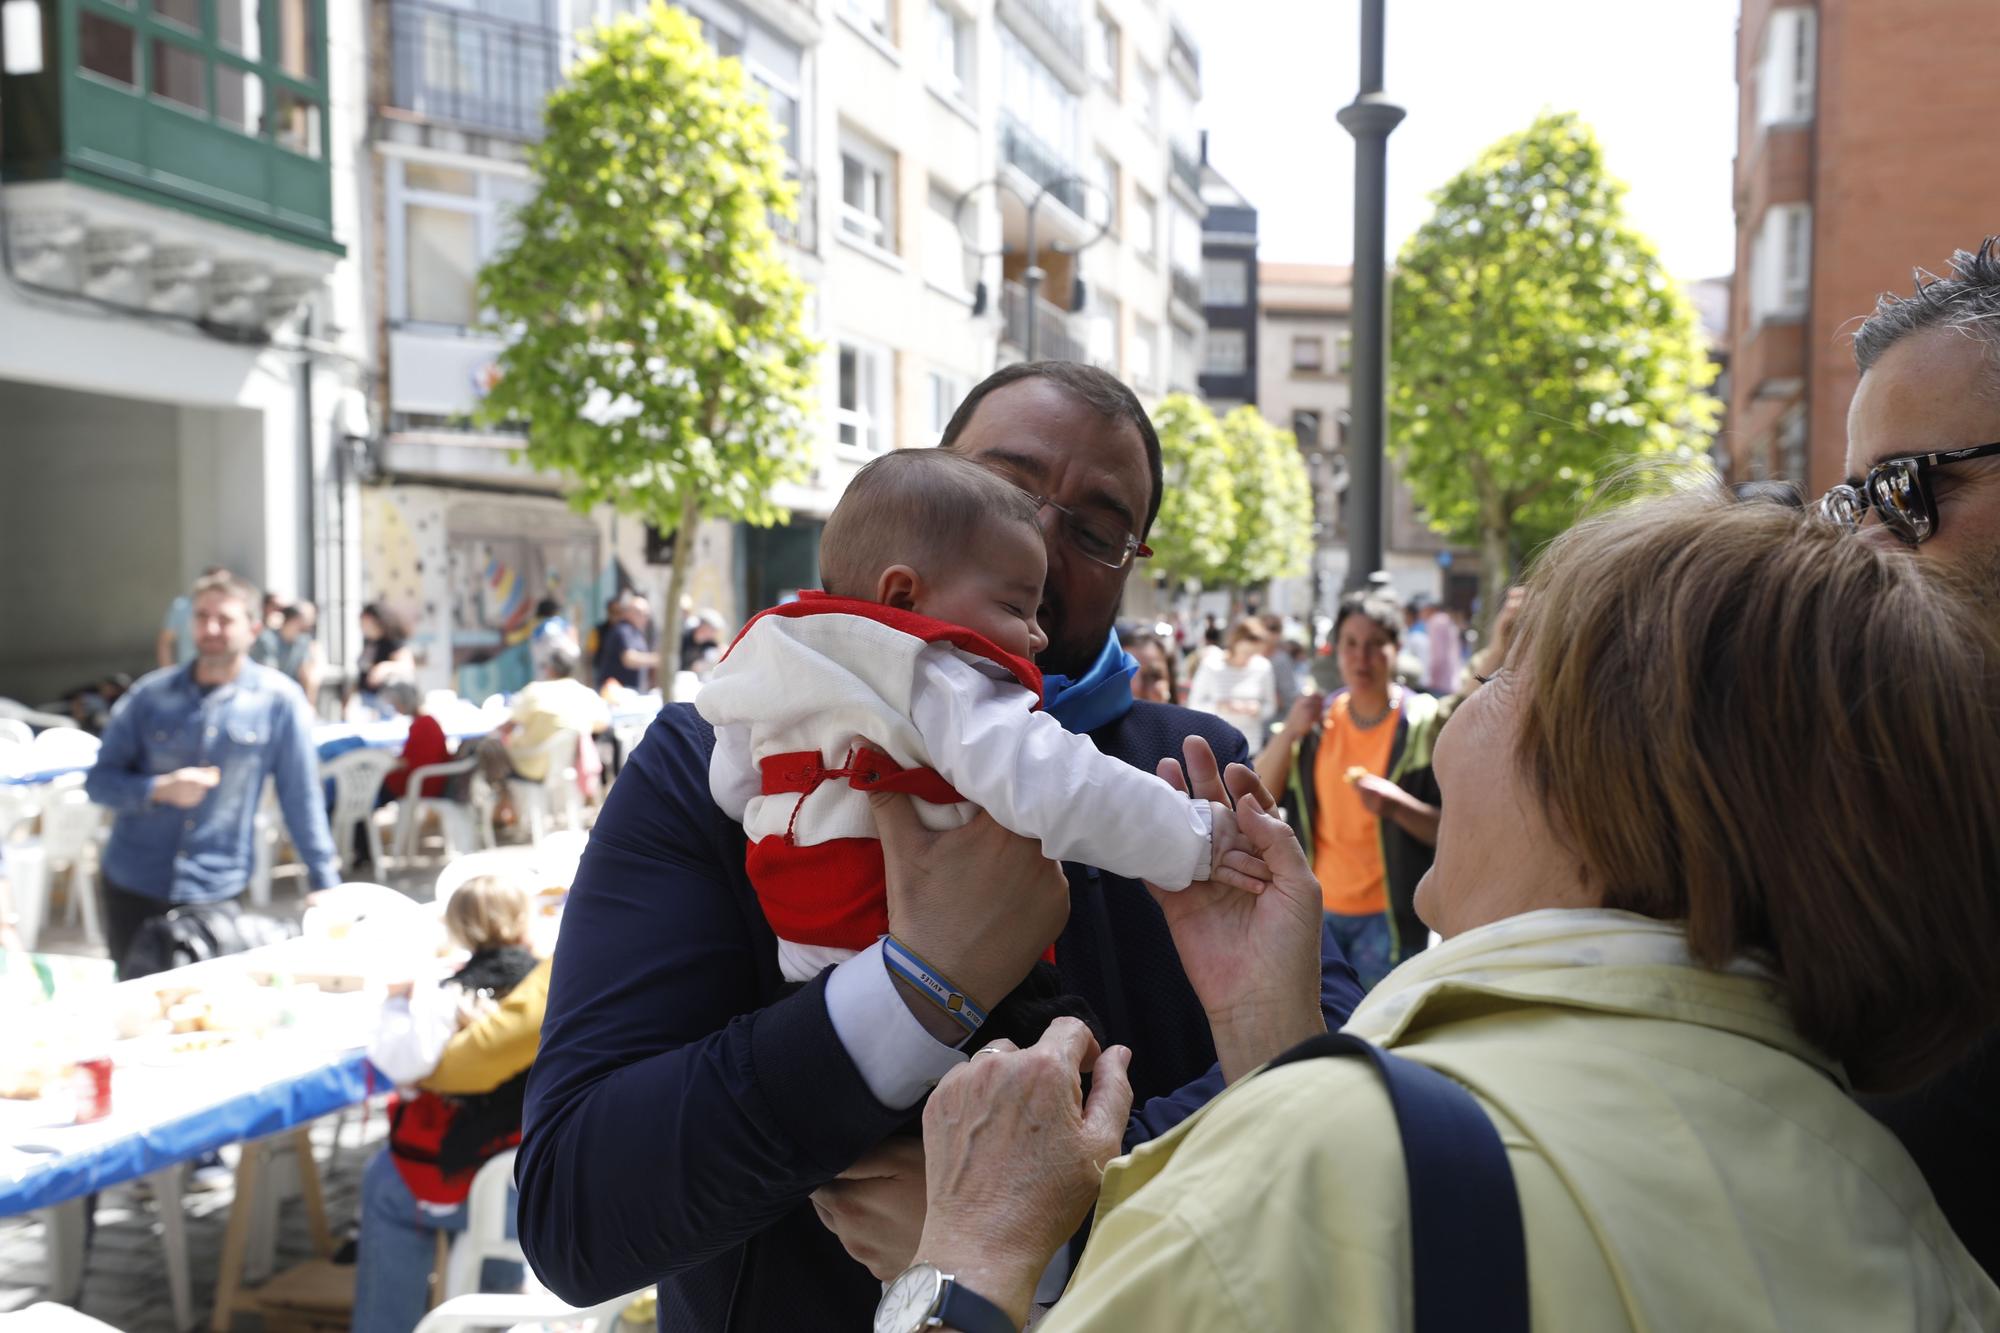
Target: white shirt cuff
(1201, 817)
(898, 1059)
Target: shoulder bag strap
(1469, 1257)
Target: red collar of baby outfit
(813, 603)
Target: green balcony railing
(215, 107)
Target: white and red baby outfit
(824, 700)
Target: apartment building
(1854, 164)
(179, 317)
(1305, 342)
(1229, 292)
(923, 134)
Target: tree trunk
(1496, 572)
(677, 581)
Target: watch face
(907, 1302)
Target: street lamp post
(1034, 274)
(1369, 118)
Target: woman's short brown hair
(487, 912)
(1789, 739)
(1248, 630)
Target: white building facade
(181, 358)
(919, 130)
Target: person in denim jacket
(183, 765)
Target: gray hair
(402, 696)
(1968, 300)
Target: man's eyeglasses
(1102, 540)
(1899, 491)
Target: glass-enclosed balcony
(216, 108)
(487, 69)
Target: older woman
(1720, 850)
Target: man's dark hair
(912, 506)
(1373, 606)
(1968, 300)
(1099, 390)
(547, 607)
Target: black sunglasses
(1899, 490)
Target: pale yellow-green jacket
(1685, 1161)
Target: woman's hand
(1014, 1156)
(1253, 959)
(1306, 710)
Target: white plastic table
(167, 1109)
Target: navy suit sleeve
(676, 1108)
(1339, 992)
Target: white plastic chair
(34, 717)
(356, 900)
(357, 777)
(23, 862)
(16, 732)
(504, 861)
(63, 747)
(556, 857)
(455, 817)
(539, 802)
(70, 825)
(487, 1209)
(461, 1313)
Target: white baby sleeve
(1043, 782)
(733, 777)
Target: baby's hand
(1231, 860)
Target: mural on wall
(496, 582)
(402, 564)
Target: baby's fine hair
(917, 507)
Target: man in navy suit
(689, 1122)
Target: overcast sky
(1657, 81)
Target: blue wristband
(921, 975)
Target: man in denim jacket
(183, 764)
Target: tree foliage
(1537, 347)
(1196, 531)
(1237, 506)
(657, 349)
(1274, 530)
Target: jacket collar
(1598, 960)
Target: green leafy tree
(1537, 348)
(658, 354)
(1196, 531)
(1274, 529)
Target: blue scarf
(1097, 698)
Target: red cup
(93, 1089)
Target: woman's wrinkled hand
(1252, 958)
(1014, 1154)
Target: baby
(912, 673)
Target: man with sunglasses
(1923, 458)
(693, 1122)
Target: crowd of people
(1708, 998)
(1709, 901)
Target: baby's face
(995, 589)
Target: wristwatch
(921, 1297)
